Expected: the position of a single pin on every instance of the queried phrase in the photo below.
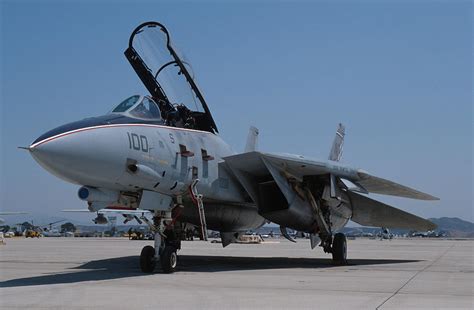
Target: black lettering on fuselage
(144, 143)
(135, 142)
(129, 141)
(138, 143)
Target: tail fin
(336, 150)
(252, 140)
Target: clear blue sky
(399, 75)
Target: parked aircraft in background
(129, 215)
(2, 221)
(49, 230)
(385, 234)
(162, 153)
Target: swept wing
(300, 166)
(257, 172)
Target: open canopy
(168, 78)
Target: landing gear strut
(165, 248)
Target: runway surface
(89, 273)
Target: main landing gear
(165, 248)
(336, 245)
(339, 249)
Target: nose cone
(90, 156)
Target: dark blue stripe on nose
(90, 122)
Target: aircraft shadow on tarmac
(127, 266)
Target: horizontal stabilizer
(385, 187)
(369, 212)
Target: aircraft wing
(300, 166)
(378, 185)
(254, 170)
(369, 212)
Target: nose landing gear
(168, 235)
(165, 248)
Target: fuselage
(97, 156)
(99, 153)
(124, 157)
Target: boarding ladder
(197, 199)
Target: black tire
(147, 259)
(169, 259)
(339, 249)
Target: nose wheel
(147, 259)
(169, 259)
(164, 251)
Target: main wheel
(147, 259)
(339, 249)
(169, 259)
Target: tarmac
(95, 273)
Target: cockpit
(174, 100)
(139, 107)
(175, 97)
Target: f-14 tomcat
(162, 153)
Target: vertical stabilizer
(252, 140)
(336, 150)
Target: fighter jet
(162, 153)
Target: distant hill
(454, 226)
